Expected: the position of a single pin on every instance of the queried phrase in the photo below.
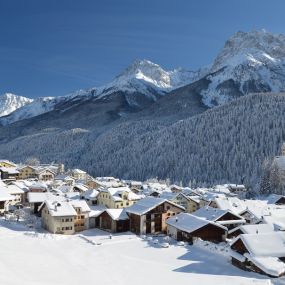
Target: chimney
(176, 219)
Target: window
(122, 204)
(82, 217)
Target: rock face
(249, 63)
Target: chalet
(9, 173)
(58, 217)
(114, 220)
(17, 193)
(65, 217)
(5, 200)
(26, 172)
(239, 190)
(78, 174)
(250, 229)
(262, 253)
(222, 217)
(92, 183)
(45, 174)
(7, 163)
(187, 227)
(175, 188)
(276, 199)
(38, 172)
(190, 203)
(95, 212)
(117, 198)
(149, 215)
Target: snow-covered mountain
(10, 102)
(249, 63)
(141, 83)
(146, 77)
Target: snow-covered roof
(264, 245)
(272, 266)
(9, 170)
(213, 214)
(8, 162)
(273, 198)
(78, 171)
(40, 197)
(96, 210)
(90, 194)
(4, 195)
(81, 187)
(275, 218)
(63, 177)
(253, 229)
(21, 184)
(190, 223)
(60, 208)
(117, 214)
(39, 184)
(80, 204)
(233, 204)
(147, 204)
(168, 195)
(13, 189)
(72, 195)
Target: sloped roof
(4, 195)
(147, 204)
(266, 245)
(60, 209)
(212, 214)
(117, 214)
(253, 229)
(190, 223)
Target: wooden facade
(154, 221)
(105, 222)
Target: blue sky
(53, 47)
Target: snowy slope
(123, 260)
(249, 63)
(10, 102)
(36, 107)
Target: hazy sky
(53, 47)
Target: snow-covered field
(92, 257)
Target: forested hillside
(224, 144)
